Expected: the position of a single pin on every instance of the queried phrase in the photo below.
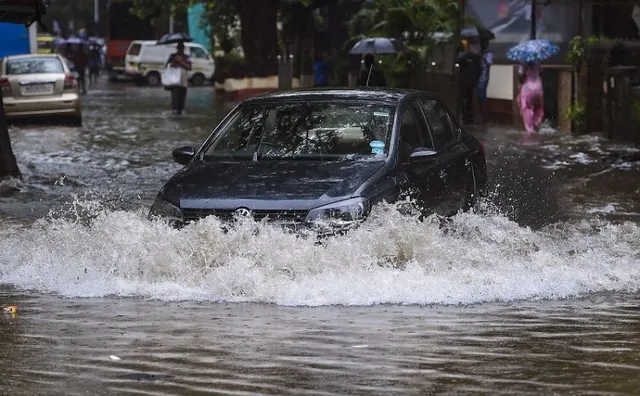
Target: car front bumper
(65, 104)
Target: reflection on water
(535, 293)
(59, 346)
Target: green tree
(79, 13)
(258, 22)
(414, 22)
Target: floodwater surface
(536, 292)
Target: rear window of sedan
(34, 66)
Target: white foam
(392, 259)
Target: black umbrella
(477, 32)
(378, 45)
(173, 38)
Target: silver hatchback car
(39, 85)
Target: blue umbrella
(378, 45)
(532, 51)
(73, 40)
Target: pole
(96, 11)
(533, 20)
(171, 23)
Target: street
(122, 156)
(535, 293)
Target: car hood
(269, 184)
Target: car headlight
(163, 208)
(342, 213)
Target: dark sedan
(310, 157)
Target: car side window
(410, 132)
(245, 132)
(197, 52)
(441, 127)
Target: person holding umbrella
(370, 46)
(179, 93)
(531, 97)
(371, 77)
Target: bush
(229, 66)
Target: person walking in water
(469, 61)
(370, 76)
(81, 60)
(94, 64)
(178, 94)
(531, 96)
(483, 81)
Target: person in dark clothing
(321, 72)
(179, 94)
(94, 64)
(371, 76)
(470, 71)
(81, 60)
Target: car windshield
(336, 130)
(34, 66)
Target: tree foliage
(412, 21)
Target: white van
(145, 61)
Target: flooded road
(535, 293)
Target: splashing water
(390, 259)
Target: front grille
(285, 216)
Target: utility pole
(96, 11)
(171, 23)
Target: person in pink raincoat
(531, 95)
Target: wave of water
(392, 259)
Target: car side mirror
(421, 154)
(183, 155)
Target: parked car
(38, 85)
(326, 156)
(145, 61)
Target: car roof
(27, 56)
(153, 42)
(375, 94)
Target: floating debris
(12, 309)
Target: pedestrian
(531, 97)
(321, 72)
(94, 64)
(370, 76)
(483, 81)
(67, 54)
(470, 69)
(179, 93)
(81, 60)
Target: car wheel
(198, 80)
(153, 79)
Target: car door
(452, 167)
(421, 173)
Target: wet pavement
(534, 293)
